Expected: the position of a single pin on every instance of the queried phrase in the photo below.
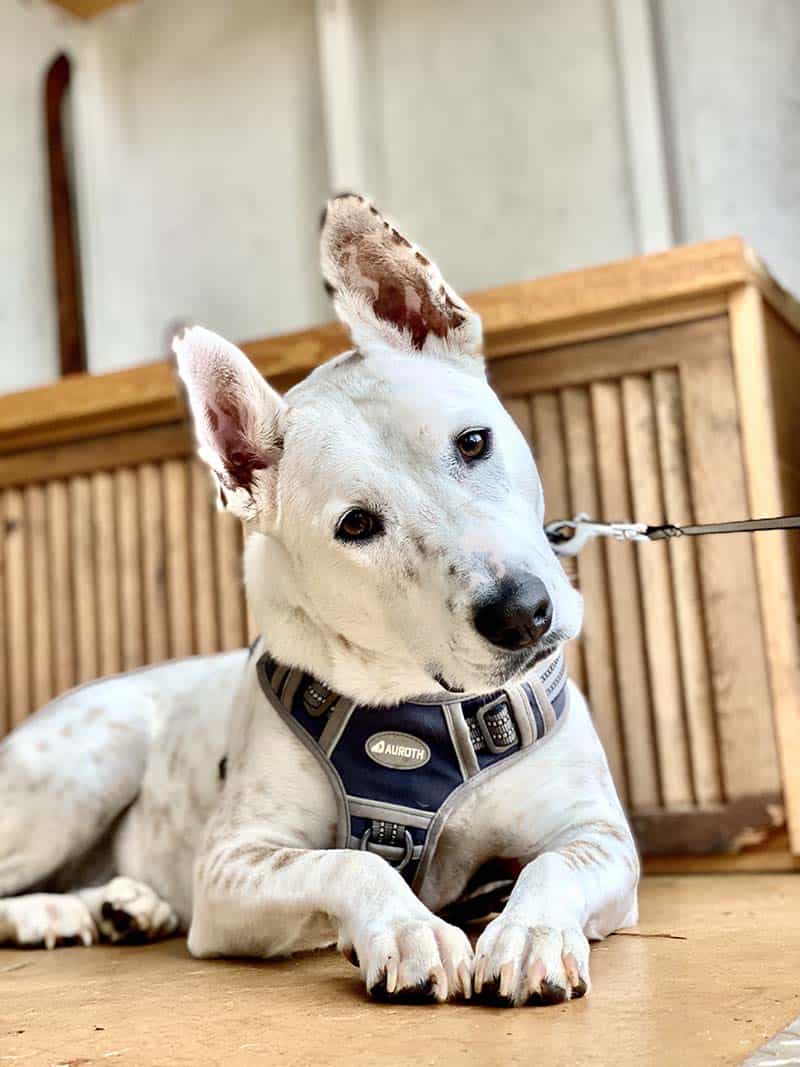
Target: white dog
(404, 719)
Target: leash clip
(568, 536)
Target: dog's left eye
(358, 524)
(474, 444)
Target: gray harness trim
(481, 733)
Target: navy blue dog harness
(398, 771)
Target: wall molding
(645, 125)
(339, 65)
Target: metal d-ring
(405, 859)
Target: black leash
(568, 536)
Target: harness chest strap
(399, 771)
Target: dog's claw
(391, 975)
(465, 978)
(480, 973)
(506, 979)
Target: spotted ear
(236, 416)
(387, 291)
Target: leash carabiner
(569, 536)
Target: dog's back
(147, 744)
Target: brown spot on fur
(400, 240)
(10, 525)
(419, 544)
(285, 858)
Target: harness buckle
(405, 859)
(497, 725)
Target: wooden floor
(711, 974)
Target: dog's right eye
(358, 524)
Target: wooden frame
(664, 382)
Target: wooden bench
(664, 387)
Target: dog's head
(394, 510)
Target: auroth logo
(402, 752)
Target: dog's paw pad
(422, 993)
(490, 994)
(131, 911)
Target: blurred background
(175, 153)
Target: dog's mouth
(450, 687)
(507, 669)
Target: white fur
(130, 764)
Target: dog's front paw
(516, 963)
(413, 960)
(47, 919)
(131, 911)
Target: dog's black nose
(517, 615)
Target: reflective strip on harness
(395, 769)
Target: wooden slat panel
(598, 644)
(151, 507)
(728, 582)
(41, 659)
(83, 579)
(60, 592)
(229, 582)
(519, 410)
(176, 514)
(131, 596)
(5, 695)
(107, 573)
(547, 436)
(768, 416)
(203, 560)
(626, 600)
(656, 582)
(524, 315)
(592, 361)
(16, 607)
(690, 611)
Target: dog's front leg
(536, 951)
(255, 898)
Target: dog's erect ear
(236, 416)
(387, 292)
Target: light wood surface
(701, 983)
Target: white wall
(31, 36)
(733, 84)
(496, 133)
(204, 172)
(500, 140)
